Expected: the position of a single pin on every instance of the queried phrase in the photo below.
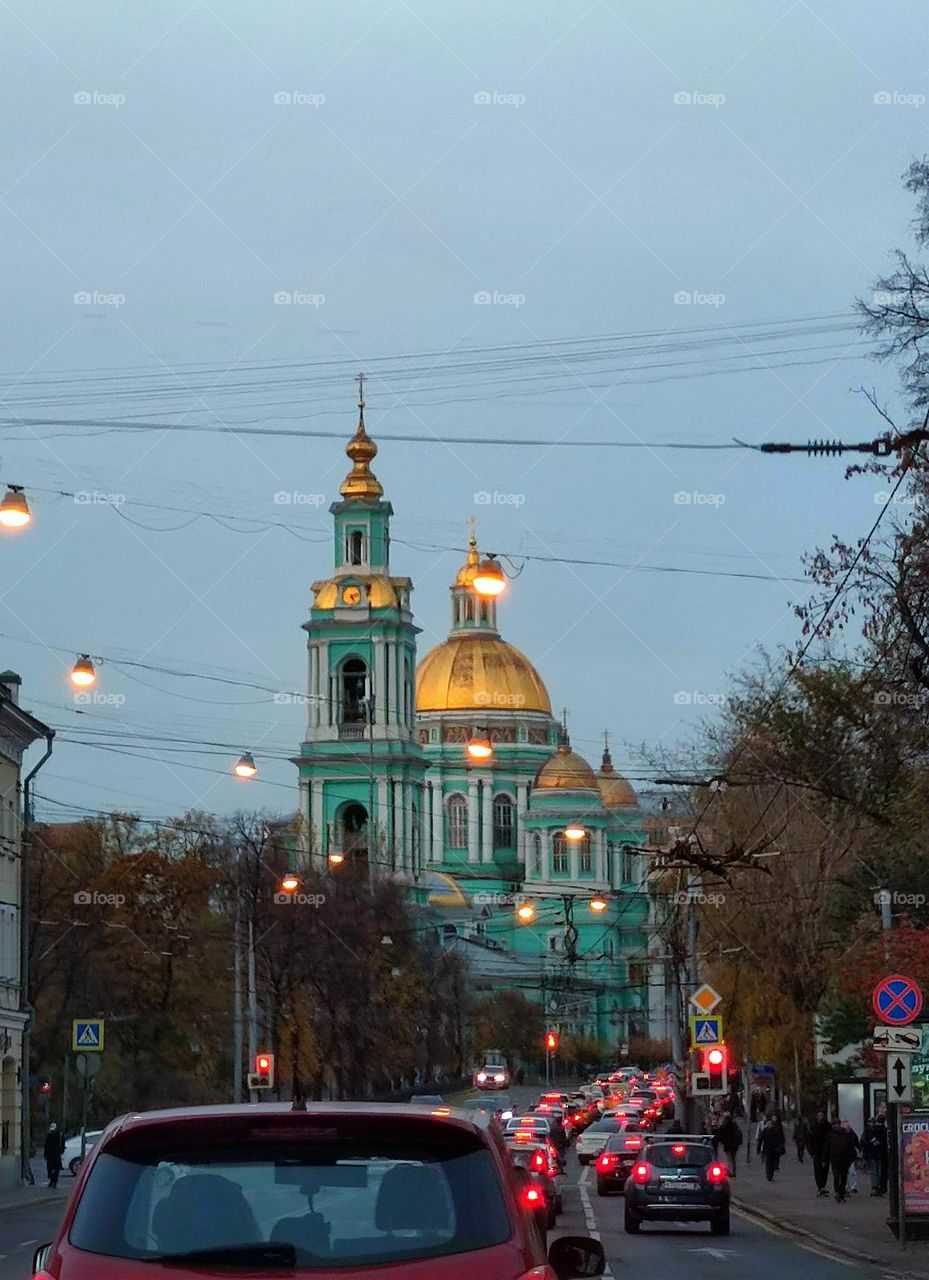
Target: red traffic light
(551, 1041)
(263, 1063)
(715, 1057)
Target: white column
(472, 819)
(438, 820)
(401, 824)
(326, 713)
(316, 814)
(487, 818)
(600, 863)
(546, 855)
(380, 682)
(312, 688)
(522, 803)
(305, 845)
(381, 826)
(392, 683)
(574, 863)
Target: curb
(845, 1251)
(9, 1205)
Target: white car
(71, 1157)
(591, 1142)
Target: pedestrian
(881, 1126)
(730, 1139)
(520, 1075)
(801, 1135)
(771, 1145)
(852, 1188)
(817, 1138)
(53, 1150)
(874, 1150)
(841, 1150)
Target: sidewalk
(24, 1196)
(857, 1229)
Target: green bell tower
(361, 768)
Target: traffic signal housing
(715, 1065)
(551, 1041)
(264, 1071)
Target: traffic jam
(424, 1189)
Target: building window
(458, 823)
(356, 547)
(559, 855)
(628, 867)
(636, 974)
(537, 856)
(504, 827)
(585, 862)
(354, 680)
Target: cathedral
(526, 860)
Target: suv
(678, 1180)
(492, 1076)
(339, 1190)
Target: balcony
(352, 732)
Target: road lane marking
(590, 1218)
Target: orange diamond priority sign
(705, 998)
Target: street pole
(237, 997)
(252, 1001)
(24, 962)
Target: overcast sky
(171, 170)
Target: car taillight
(538, 1273)
(607, 1161)
(716, 1173)
(678, 1148)
(633, 1144)
(532, 1198)
(640, 1173)
(538, 1160)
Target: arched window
(537, 856)
(356, 547)
(585, 860)
(559, 855)
(504, 825)
(352, 830)
(457, 823)
(353, 692)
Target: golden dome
(377, 592)
(479, 672)
(566, 771)
(361, 481)
(615, 791)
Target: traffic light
(45, 1085)
(264, 1071)
(714, 1065)
(551, 1041)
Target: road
(659, 1252)
(668, 1251)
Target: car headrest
(412, 1197)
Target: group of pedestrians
(835, 1147)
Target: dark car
(347, 1189)
(678, 1182)
(616, 1160)
(534, 1160)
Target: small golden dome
(566, 771)
(361, 481)
(469, 568)
(479, 672)
(615, 791)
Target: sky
(590, 226)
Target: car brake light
(716, 1173)
(533, 1198)
(633, 1144)
(538, 1273)
(538, 1160)
(607, 1161)
(640, 1173)
(678, 1148)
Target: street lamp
(598, 904)
(574, 831)
(489, 579)
(290, 882)
(82, 673)
(480, 746)
(526, 912)
(245, 766)
(336, 859)
(14, 509)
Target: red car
(340, 1191)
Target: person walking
(816, 1141)
(730, 1139)
(841, 1149)
(53, 1150)
(873, 1148)
(801, 1135)
(771, 1146)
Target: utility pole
(237, 997)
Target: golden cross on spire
(360, 379)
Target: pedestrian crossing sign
(705, 1031)
(87, 1035)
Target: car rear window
(346, 1203)
(673, 1155)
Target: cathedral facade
(388, 787)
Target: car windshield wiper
(256, 1255)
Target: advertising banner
(915, 1139)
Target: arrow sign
(721, 1254)
(899, 1084)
